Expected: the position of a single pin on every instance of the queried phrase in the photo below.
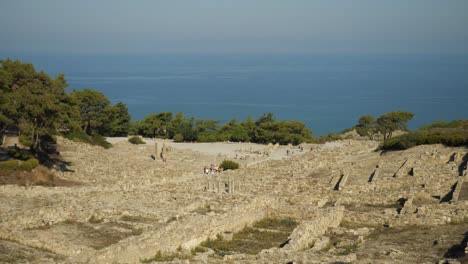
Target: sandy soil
(251, 152)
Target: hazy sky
(205, 26)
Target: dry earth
(351, 203)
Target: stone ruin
(219, 184)
(352, 204)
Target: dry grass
(160, 257)
(39, 176)
(266, 233)
(11, 251)
(136, 219)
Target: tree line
(40, 107)
(265, 129)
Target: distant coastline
(327, 92)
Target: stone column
(156, 150)
(458, 188)
(376, 173)
(163, 152)
(403, 170)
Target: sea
(326, 92)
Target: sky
(234, 26)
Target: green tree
(367, 126)
(249, 127)
(264, 119)
(92, 105)
(32, 101)
(118, 121)
(392, 121)
(176, 126)
(155, 125)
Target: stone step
(463, 192)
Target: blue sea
(327, 92)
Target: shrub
(9, 164)
(229, 165)
(101, 141)
(136, 140)
(49, 143)
(449, 136)
(19, 165)
(328, 138)
(19, 154)
(29, 164)
(178, 138)
(253, 240)
(24, 140)
(78, 136)
(85, 138)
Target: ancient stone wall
(309, 230)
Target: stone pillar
(456, 192)
(376, 173)
(403, 170)
(407, 206)
(343, 181)
(163, 152)
(156, 151)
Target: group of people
(290, 152)
(213, 170)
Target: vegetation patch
(265, 129)
(13, 252)
(95, 220)
(203, 210)
(229, 165)
(283, 224)
(136, 140)
(19, 154)
(450, 134)
(162, 257)
(178, 137)
(19, 165)
(136, 219)
(38, 176)
(264, 234)
(97, 140)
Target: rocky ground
(340, 202)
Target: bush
(449, 136)
(328, 138)
(101, 141)
(229, 165)
(136, 140)
(19, 154)
(29, 164)
(85, 138)
(19, 165)
(25, 141)
(49, 143)
(9, 165)
(178, 138)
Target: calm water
(327, 92)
